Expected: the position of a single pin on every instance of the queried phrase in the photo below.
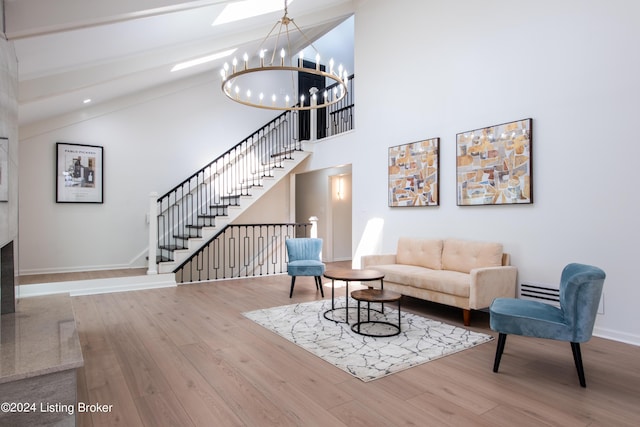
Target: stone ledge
(40, 338)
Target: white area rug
(366, 358)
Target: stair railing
(195, 203)
(207, 194)
(340, 115)
(242, 250)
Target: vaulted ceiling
(72, 50)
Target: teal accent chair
(580, 292)
(304, 260)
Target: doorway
(306, 81)
(316, 194)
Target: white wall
(337, 44)
(272, 208)
(436, 68)
(151, 143)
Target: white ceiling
(71, 50)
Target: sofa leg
(466, 317)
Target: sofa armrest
(370, 260)
(489, 283)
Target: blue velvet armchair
(304, 260)
(580, 292)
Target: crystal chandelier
(238, 87)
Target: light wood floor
(186, 356)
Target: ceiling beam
(30, 18)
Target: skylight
(248, 8)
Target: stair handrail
(221, 182)
(228, 152)
(206, 194)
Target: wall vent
(540, 292)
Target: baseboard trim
(80, 269)
(98, 286)
(616, 336)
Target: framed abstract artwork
(414, 173)
(493, 165)
(79, 170)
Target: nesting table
(376, 296)
(368, 295)
(348, 275)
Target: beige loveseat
(460, 273)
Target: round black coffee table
(377, 296)
(349, 275)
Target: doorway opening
(326, 194)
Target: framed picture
(4, 169)
(79, 170)
(493, 165)
(414, 173)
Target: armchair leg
(319, 285)
(577, 358)
(293, 282)
(502, 338)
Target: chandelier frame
(232, 91)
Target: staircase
(182, 246)
(194, 212)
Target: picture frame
(4, 169)
(493, 165)
(79, 173)
(414, 173)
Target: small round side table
(379, 296)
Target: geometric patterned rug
(367, 358)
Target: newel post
(313, 125)
(314, 226)
(153, 233)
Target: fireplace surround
(7, 280)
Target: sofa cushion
(447, 282)
(465, 255)
(421, 252)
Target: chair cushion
(465, 255)
(305, 268)
(447, 282)
(528, 318)
(421, 252)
